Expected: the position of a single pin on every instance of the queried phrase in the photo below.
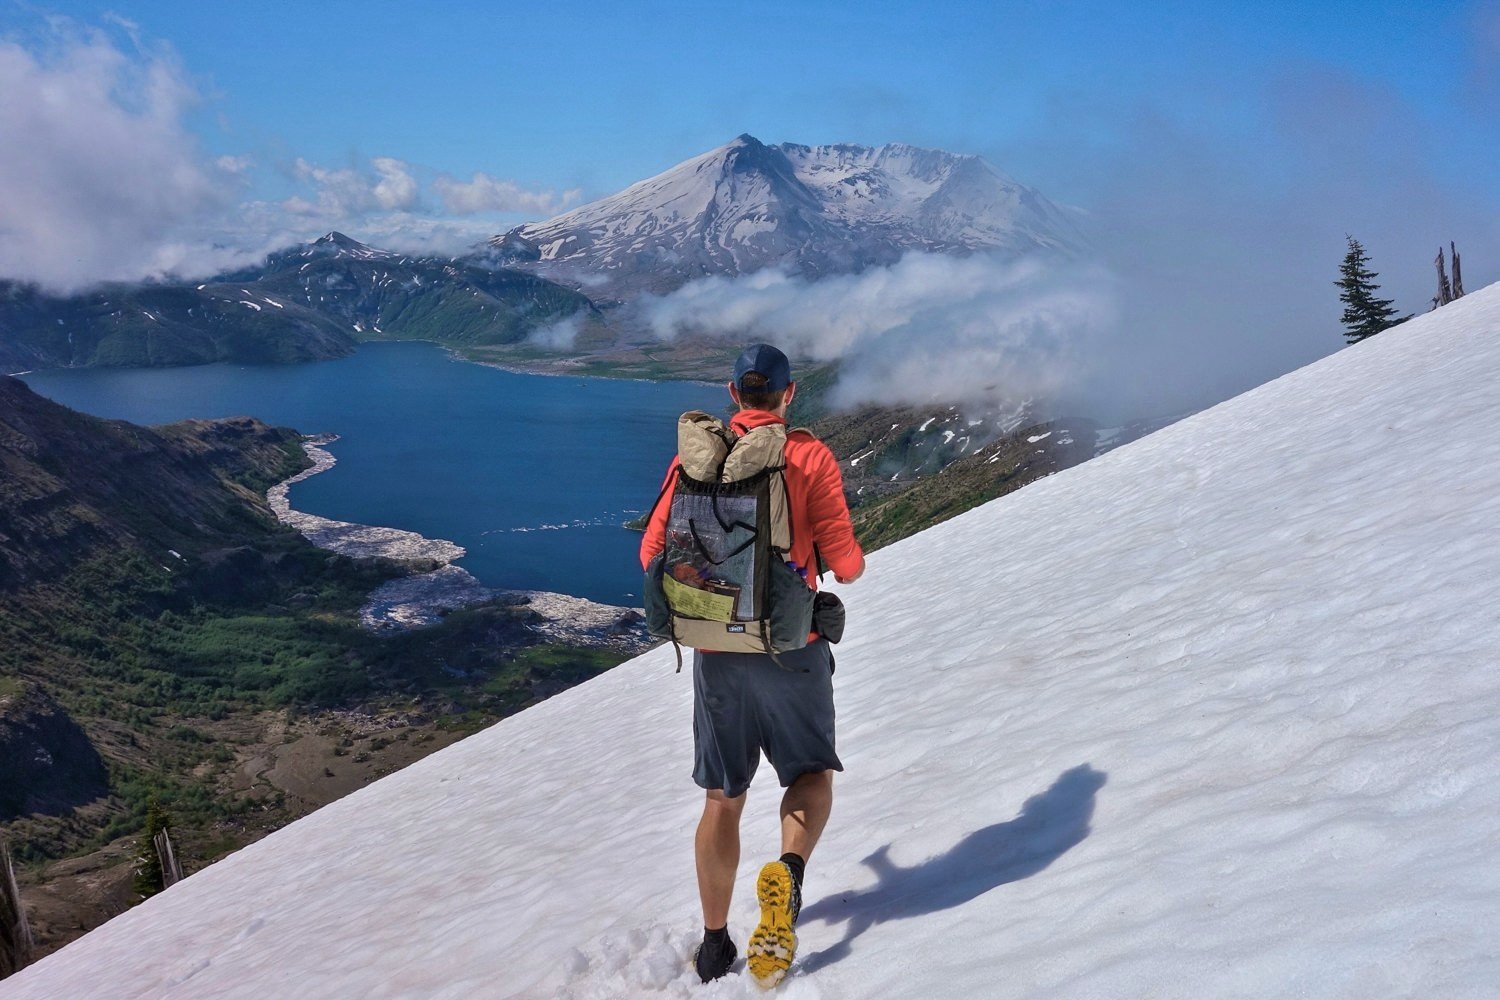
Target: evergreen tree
(148, 871)
(1364, 314)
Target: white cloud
(975, 329)
(109, 181)
(350, 192)
(384, 198)
(559, 336)
(262, 226)
(236, 165)
(409, 232)
(106, 171)
(397, 188)
(490, 194)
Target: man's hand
(851, 579)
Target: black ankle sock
(717, 936)
(797, 865)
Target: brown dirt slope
(72, 484)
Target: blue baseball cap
(766, 360)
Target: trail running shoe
(713, 959)
(773, 943)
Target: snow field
(1212, 715)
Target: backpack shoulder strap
(666, 487)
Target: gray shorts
(744, 703)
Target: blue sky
(1222, 151)
(596, 95)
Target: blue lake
(533, 474)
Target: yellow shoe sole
(773, 943)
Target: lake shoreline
(606, 368)
(424, 597)
(486, 458)
(558, 368)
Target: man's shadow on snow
(1048, 825)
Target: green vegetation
(1002, 467)
(122, 638)
(814, 384)
(1364, 314)
(157, 670)
(149, 875)
(454, 305)
(326, 299)
(559, 667)
(145, 667)
(880, 523)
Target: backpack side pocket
(791, 607)
(658, 613)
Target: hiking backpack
(722, 582)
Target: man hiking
(781, 703)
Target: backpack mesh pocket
(710, 569)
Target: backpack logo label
(734, 628)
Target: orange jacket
(815, 491)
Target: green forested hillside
(314, 301)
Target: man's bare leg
(804, 813)
(773, 944)
(717, 847)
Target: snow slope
(1213, 715)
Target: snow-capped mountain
(336, 244)
(1212, 715)
(380, 293)
(812, 209)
